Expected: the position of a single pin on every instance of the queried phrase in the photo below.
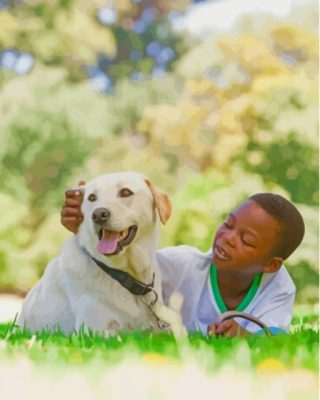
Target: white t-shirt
(189, 271)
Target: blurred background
(213, 100)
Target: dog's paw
(173, 318)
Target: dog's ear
(161, 202)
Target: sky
(220, 15)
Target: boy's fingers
(73, 220)
(222, 328)
(211, 330)
(73, 194)
(231, 331)
(69, 212)
(234, 330)
(72, 203)
(228, 333)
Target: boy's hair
(289, 218)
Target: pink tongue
(108, 243)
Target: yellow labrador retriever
(106, 277)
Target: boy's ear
(161, 202)
(273, 265)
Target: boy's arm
(173, 264)
(276, 315)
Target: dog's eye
(92, 197)
(125, 192)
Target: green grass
(296, 350)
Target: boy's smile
(244, 242)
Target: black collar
(126, 280)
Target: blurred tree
(227, 109)
(219, 120)
(283, 160)
(50, 131)
(104, 41)
(45, 139)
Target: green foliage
(38, 147)
(235, 115)
(295, 350)
(125, 107)
(69, 34)
(282, 157)
(285, 162)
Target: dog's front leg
(172, 315)
(96, 316)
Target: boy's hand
(227, 328)
(71, 215)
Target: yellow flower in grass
(271, 365)
(159, 361)
(75, 357)
(156, 358)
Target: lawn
(158, 367)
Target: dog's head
(119, 207)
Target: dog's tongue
(108, 243)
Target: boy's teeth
(222, 252)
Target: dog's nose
(100, 215)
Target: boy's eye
(92, 197)
(247, 244)
(125, 192)
(227, 225)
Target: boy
(243, 271)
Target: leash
(163, 325)
(237, 314)
(133, 285)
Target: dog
(106, 278)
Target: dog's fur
(75, 291)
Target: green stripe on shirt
(217, 295)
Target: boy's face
(244, 242)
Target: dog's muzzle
(100, 216)
(110, 242)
